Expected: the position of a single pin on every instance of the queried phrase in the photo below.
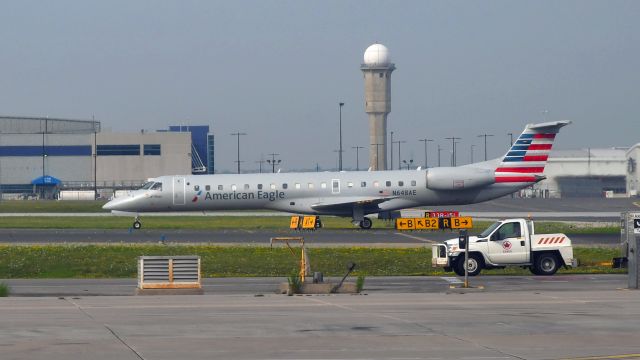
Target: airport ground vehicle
(510, 242)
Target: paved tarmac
(323, 237)
(547, 320)
(377, 284)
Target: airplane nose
(116, 204)
(109, 205)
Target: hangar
(608, 172)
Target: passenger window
(207, 187)
(157, 186)
(413, 183)
(284, 186)
(350, 184)
(220, 187)
(376, 184)
(323, 185)
(259, 186)
(310, 185)
(508, 230)
(388, 183)
(363, 184)
(233, 187)
(400, 183)
(297, 185)
(273, 186)
(196, 187)
(246, 186)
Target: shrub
(4, 290)
(294, 284)
(360, 283)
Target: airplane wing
(348, 203)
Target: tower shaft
(377, 94)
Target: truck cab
(504, 243)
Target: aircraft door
(506, 244)
(335, 186)
(178, 190)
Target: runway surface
(524, 318)
(323, 237)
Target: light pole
(472, 146)
(453, 145)
(261, 161)
(357, 156)
(273, 161)
(439, 149)
(391, 157)
(238, 134)
(408, 163)
(340, 150)
(485, 144)
(426, 158)
(510, 139)
(399, 142)
(377, 154)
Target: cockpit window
(147, 185)
(157, 186)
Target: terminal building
(44, 156)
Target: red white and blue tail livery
(525, 161)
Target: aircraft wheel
(137, 225)
(366, 223)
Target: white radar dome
(377, 54)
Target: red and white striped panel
(551, 240)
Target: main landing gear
(365, 224)
(137, 224)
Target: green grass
(242, 222)
(51, 206)
(4, 290)
(120, 261)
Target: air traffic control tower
(377, 69)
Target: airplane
(354, 194)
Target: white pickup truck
(510, 242)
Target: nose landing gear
(137, 224)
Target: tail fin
(527, 157)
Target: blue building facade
(202, 156)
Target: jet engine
(459, 178)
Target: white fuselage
(334, 193)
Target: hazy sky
(278, 69)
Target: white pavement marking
(451, 280)
(417, 238)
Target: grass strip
(246, 222)
(51, 206)
(120, 261)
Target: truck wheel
(474, 265)
(546, 264)
(533, 270)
